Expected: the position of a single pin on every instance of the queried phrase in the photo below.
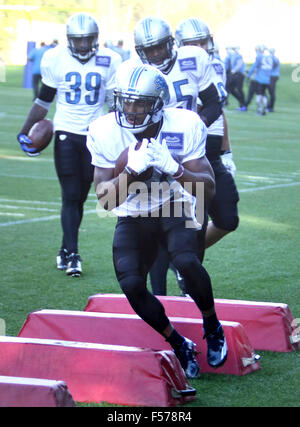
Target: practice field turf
(260, 261)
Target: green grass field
(259, 262)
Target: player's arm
(111, 191)
(190, 171)
(211, 105)
(227, 156)
(225, 140)
(38, 112)
(199, 170)
(40, 108)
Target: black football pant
(251, 92)
(223, 208)
(36, 82)
(135, 246)
(236, 87)
(75, 173)
(159, 270)
(272, 91)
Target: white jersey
(185, 135)
(191, 73)
(219, 80)
(81, 88)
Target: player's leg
(134, 250)
(199, 287)
(223, 209)
(158, 272)
(272, 91)
(67, 163)
(135, 247)
(251, 92)
(260, 102)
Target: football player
(81, 76)
(263, 67)
(140, 98)
(275, 74)
(190, 76)
(223, 208)
(236, 79)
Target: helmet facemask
(137, 113)
(207, 43)
(160, 54)
(83, 47)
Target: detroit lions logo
(161, 84)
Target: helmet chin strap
(162, 66)
(149, 120)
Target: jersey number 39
(92, 84)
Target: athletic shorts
(261, 88)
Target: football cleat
(216, 348)
(61, 259)
(186, 356)
(74, 265)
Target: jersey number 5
(92, 84)
(179, 97)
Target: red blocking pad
(131, 330)
(97, 372)
(269, 326)
(34, 392)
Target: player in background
(190, 76)
(263, 67)
(252, 83)
(81, 77)
(227, 63)
(273, 80)
(223, 209)
(237, 75)
(140, 98)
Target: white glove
(138, 160)
(161, 157)
(227, 160)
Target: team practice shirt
(81, 88)
(219, 79)
(191, 73)
(185, 135)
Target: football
(122, 162)
(41, 134)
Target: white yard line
(28, 208)
(268, 187)
(11, 214)
(32, 220)
(49, 218)
(27, 158)
(10, 175)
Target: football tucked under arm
(36, 114)
(122, 163)
(41, 134)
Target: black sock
(175, 339)
(210, 323)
